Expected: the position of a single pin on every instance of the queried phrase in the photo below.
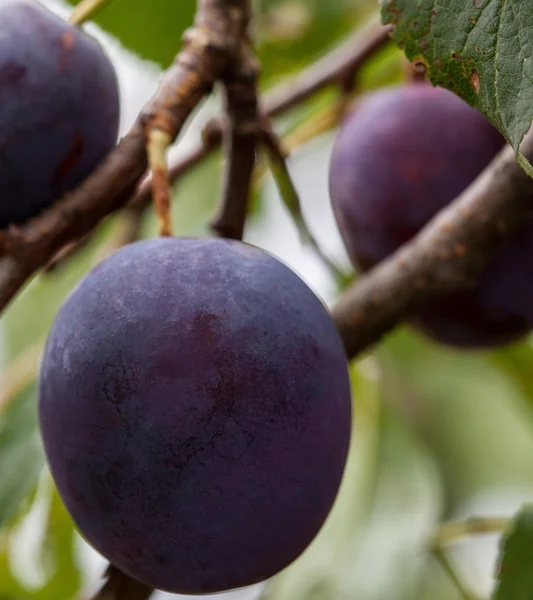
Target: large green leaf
(480, 49)
(515, 578)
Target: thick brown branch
(241, 139)
(209, 48)
(334, 67)
(446, 256)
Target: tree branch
(208, 49)
(241, 139)
(335, 66)
(446, 256)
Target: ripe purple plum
(400, 157)
(59, 112)
(195, 409)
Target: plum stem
(86, 10)
(157, 146)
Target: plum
(195, 409)
(59, 112)
(401, 156)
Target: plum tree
(401, 156)
(195, 409)
(60, 108)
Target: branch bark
(208, 49)
(446, 256)
(241, 139)
(335, 67)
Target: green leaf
(151, 29)
(21, 456)
(480, 49)
(515, 577)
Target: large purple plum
(59, 108)
(403, 155)
(195, 411)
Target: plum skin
(195, 409)
(60, 108)
(400, 157)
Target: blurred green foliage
(433, 427)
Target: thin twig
(342, 61)
(446, 256)
(335, 67)
(241, 139)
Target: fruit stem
(85, 10)
(157, 146)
